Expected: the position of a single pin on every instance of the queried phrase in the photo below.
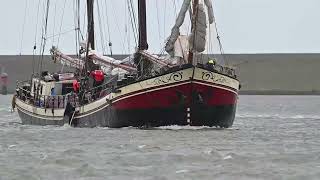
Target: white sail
(175, 31)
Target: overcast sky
(246, 26)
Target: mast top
(143, 44)
(90, 4)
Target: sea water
(273, 137)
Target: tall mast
(90, 24)
(143, 44)
(193, 28)
(143, 65)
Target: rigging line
(84, 20)
(62, 33)
(75, 6)
(100, 27)
(78, 20)
(118, 27)
(108, 27)
(41, 42)
(45, 33)
(158, 20)
(219, 40)
(175, 8)
(78, 26)
(107, 20)
(133, 21)
(54, 21)
(42, 31)
(165, 18)
(23, 26)
(127, 20)
(36, 31)
(62, 16)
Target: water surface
(274, 137)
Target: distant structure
(3, 81)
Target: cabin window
(58, 88)
(63, 88)
(67, 88)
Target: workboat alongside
(182, 88)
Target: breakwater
(259, 73)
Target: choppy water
(274, 137)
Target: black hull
(219, 116)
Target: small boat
(3, 81)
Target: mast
(143, 44)
(193, 28)
(89, 65)
(143, 65)
(90, 24)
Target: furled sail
(208, 3)
(175, 31)
(197, 41)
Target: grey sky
(246, 26)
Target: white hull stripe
(51, 118)
(215, 86)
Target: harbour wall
(287, 74)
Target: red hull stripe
(168, 97)
(174, 84)
(142, 91)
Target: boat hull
(188, 96)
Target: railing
(220, 69)
(98, 92)
(45, 101)
(60, 101)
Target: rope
(101, 31)
(118, 27)
(44, 33)
(54, 21)
(133, 21)
(76, 24)
(62, 33)
(23, 26)
(108, 26)
(219, 40)
(158, 20)
(64, 6)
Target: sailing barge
(187, 92)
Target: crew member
(211, 63)
(76, 86)
(98, 79)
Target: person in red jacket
(98, 79)
(76, 86)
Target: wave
(176, 127)
(278, 116)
